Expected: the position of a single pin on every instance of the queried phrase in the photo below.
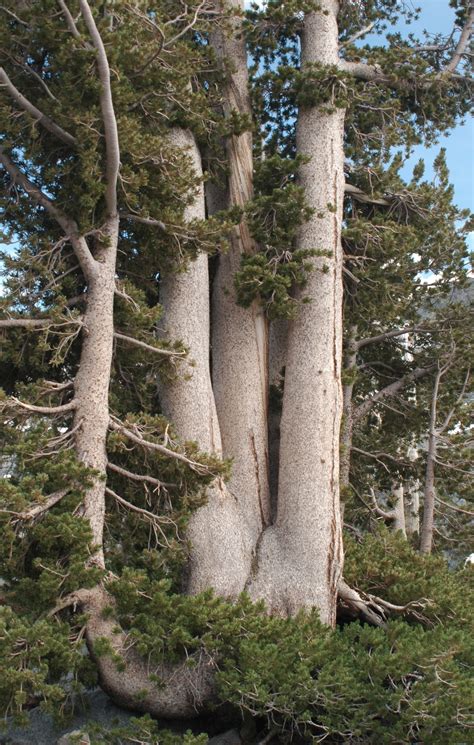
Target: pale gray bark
(220, 551)
(300, 556)
(398, 511)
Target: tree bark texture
(427, 525)
(300, 556)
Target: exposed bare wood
(463, 42)
(390, 390)
(144, 478)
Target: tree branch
(53, 410)
(390, 390)
(389, 335)
(78, 242)
(361, 196)
(69, 20)
(462, 44)
(454, 507)
(147, 347)
(143, 220)
(137, 476)
(139, 440)
(40, 508)
(26, 323)
(44, 120)
(108, 114)
(362, 32)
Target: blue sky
(437, 17)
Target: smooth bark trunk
(220, 556)
(300, 557)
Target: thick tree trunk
(220, 557)
(239, 335)
(300, 556)
(91, 386)
(278, 337)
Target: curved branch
(44, 120)
(53, 410)
(108, 114)
(389, 335)
(69, 20)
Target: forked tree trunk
(300, 556)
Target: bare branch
(390, 390)
(44, 120)
(449, 416)
(137, 438)
(108, 114)
(148, 347)
(157, 520)
(53, 410)
(462, 44)
(78, 242)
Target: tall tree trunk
(398, 493)
(219, 556)
(240, 336)
(278, 336)
(300, 556)
(427, 526)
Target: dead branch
(25, 104)
(454, 507)
(157, 520)
(375, 610)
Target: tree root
(374, 610)
(180, 690)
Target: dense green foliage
(408, 681)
